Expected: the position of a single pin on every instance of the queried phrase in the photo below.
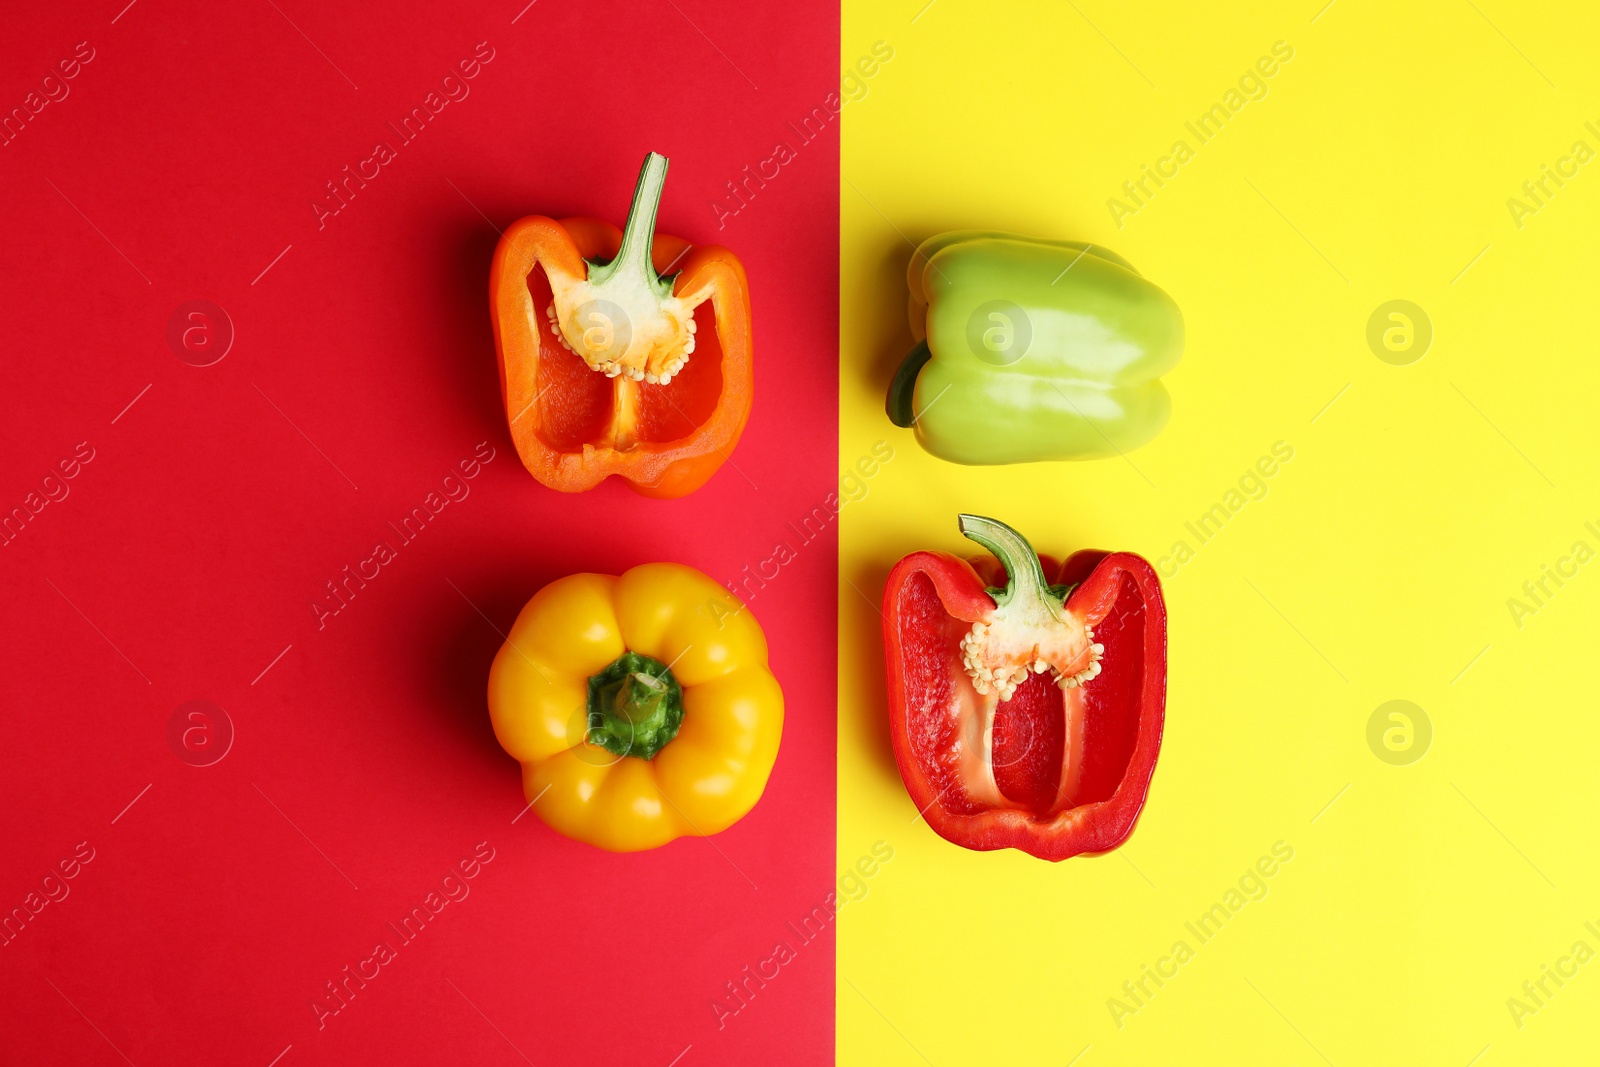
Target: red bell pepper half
(1024, 713)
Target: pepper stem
(635, 706)
(1025, 581)
(903, 388)
(639, 232)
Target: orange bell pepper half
(610, 365)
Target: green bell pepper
(1032, 350)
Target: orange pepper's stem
(638, 235)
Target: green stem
(635, 706)
(638, 235)
(1025, 581)
(903, 388)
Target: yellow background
(1378, 566)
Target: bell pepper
(610, 365)
(1032, 350)
(1026, 713)
(641, 707)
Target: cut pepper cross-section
(621, 352)
(1024, 713)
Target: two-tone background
(1381, 650)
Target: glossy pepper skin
(1032, 350)
(609, 363)
(1023, 714)
(641, 707)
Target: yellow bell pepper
(641, 707)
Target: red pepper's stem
(639, 233)
(1025, 581)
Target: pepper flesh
(1055, 770)
(560, 705)
(608, 367)
(1032, 350)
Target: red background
(189, 550)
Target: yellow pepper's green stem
(635, 706)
